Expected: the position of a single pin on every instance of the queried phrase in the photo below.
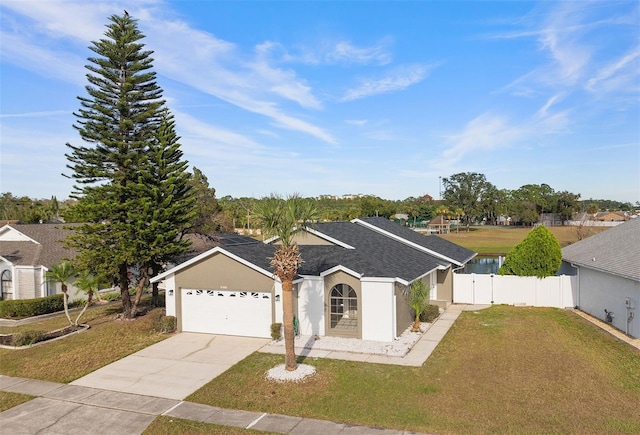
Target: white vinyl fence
(553, 291)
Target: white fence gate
(484, 289)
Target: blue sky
(339, 97)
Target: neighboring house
(353, 281)
(26, 254)
(608, 269)
(610, 216)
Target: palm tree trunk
(65, 302)
(287, 318)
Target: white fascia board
(270, 239)
(310, 278)
(315, 233)
(432, 270)
(406, 242)
(9, 229)
(382, 279)
(328, 239)
(342, 269)
(204, 256)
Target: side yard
(500, 370)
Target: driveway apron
(175, 367)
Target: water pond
(484, 264)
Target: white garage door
(227, 312)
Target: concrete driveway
(173, 368)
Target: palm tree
(283, 218)
(418, 300)
(89, 284)
(63, 273)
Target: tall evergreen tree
(169, 205)
(118, 119)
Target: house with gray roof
(27, 251)
(608, 269)
(353, 281)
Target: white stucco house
(608, 269)
(27, 251)
(353, 281)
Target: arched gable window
(6, 284)
(343, 311)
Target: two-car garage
(246, 313)
(220, 292)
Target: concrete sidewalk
(71, 410)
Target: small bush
(26, 338)
(165, 324)
(430, 313)
(276, 331)
(111, 296)
(31, 307)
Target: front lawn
(499, 370)
(70, 358)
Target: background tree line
(466, 196)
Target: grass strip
(9, 400)
(177, 426)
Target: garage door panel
(226, 312)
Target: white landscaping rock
(280, 374)
(398, 347)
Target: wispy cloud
(620, 74)
(189, 56)
(575, 39)
(489, 132)
(345, 52)
(358, 122)
(36, 114)
(395, 80)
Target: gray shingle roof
(616, 251)
(434, 243)
(48, 252)
(380, 255)
(375, 254)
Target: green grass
(108, 340)
(500, 370)
(171, 425)
(500, 240)
(9, 400)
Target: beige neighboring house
(27, 251)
